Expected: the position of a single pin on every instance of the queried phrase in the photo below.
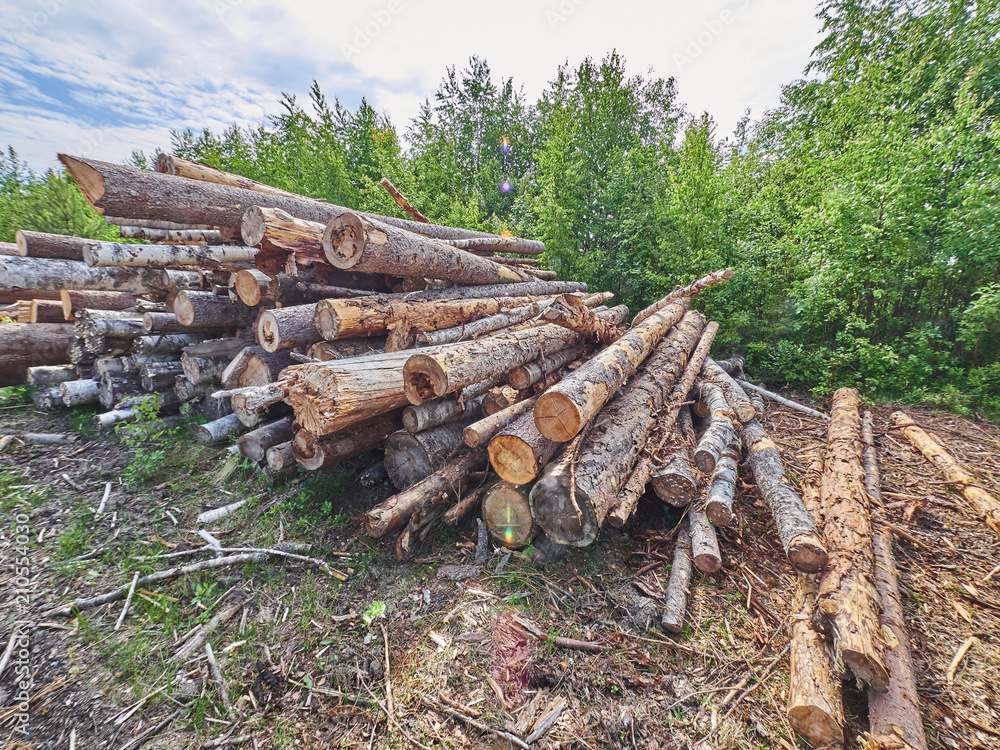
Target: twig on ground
(128, 601)
(962, 651)
(514, 740)
(104, 500)
(217, 676)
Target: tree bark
(722, 486)
(404, 204)
(160, 322)
(847, 597)
(170, 343)
(896, 712)
(507, 514)
(156, 376)
(172, 236)
(44, 245)
(570, 312)
(77, 300)
(432, 413)
(46, 311)
(525, 289)
(200, 370)
(677, 481)
(519, 452)
(327, 351)
(318, 452)
(193, 170)
(982, 502)
(51, 374)
(263, 367)
(611, 448)
(13, 296)
(185, 390)
(9, 248)
(691, 290)
(115, 254)
(280, 457)
(220, 430)
(154, 224)
(115, 388)
(527, 375)
(287, 327)
(675, 600)
(704, 542)
(254, 444)
(393, 514)
(502, 397)
(720, 430)
(210, 311)
(56, 275)
(412, 457)
(80, 392)
(564, 409)
(513, 245)
(735, 396)
(41, 340)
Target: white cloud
(134, 71)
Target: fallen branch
(436, 706)
(783, 401)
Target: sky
(101, 78)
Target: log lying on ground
(799, 536)
(115, 388)
(434, 374)
(896, 712)
(564, 409)
(56, 275)
(106, 254)
(983, 504)
(847, 599)
(45, 245)
(314, 452)
(519, 452)
(720, 429)
(704, 542)
(255, 443)
(219, 430)
(691, 290)
(783, 401)
(73, 300)
(50, 374)
(206, 310)
(172, 236)
(507, 514)
(412, 457)
(634, 488)
(675, 599)
(573, 516)
(722, 485)
(80, 392)
(735, 396)
(570, 312)
(46, 311)
(280, 457)
(393, 514)
(676, 482)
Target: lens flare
(505, 145)
(505, 187)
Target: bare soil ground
(399, 655)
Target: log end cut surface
(557, 417)
(424, 379)
(513, 459)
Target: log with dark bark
(896, 712)
(442, 411)
(172, 236)
(206, 310)
(156, 376)
(570, 311)
(185, 391)
(721, 427)
(109, 254)
(691, 290)
(44, 245)
(171, 343)
(450, 480)
(43, 340)
(982, 503)
(404, 204)
(704, 542)
(254, 444)
(287, 327)
(848, 601)
(507, 514)
(280, 457)
(55, 275)
(525, 376)
(799, 536)
(116, 388)
(46, 311)
(519, 452)
(574, 515)
(201, 370)
(677, 481)
(13, 296)
(73, 301)
(722, 485)
(318, 452)
(675, 600)
(411, 457)
(193, 170)
(262, 367)
(564, 409)
(735, 396)
(163, 322)
(525, 289)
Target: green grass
(16, 490)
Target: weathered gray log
(721, 428)
(287, 327)
(172, 236)
(108, 254)
(783, 401)
(208, 311)
(527, 375)
(47, 398)
(411, 457)
(56, 275)
(80, 392)
(51, 374)
(114, 388)
(171, 343)
(735, 396)
(45, 311)
(691, 290)
(722, 486)
(326, 351)
(254, 444)
(315, 452)
(153, 224)
(675, 600)
(156, 376)
(704, 542)
(163, 322)
(417, 417)
(219, 430)
(74, 301)
(201, 370)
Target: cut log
(847, 599)
(73, 301)
(108, 254)
(691, 290)
(799, 536)
(564, 409)
(254, 366)
(206, 310)
(434, 413)
(677, 481)
(722, 486)
(287, 327)
(327, 351)
(896, 712)
(45, 311)
(704, 542)
(109, 419)
(44, 245)
(570, 312)
(50, 374)
(194, 170)
(314, 452)
(519, 452)
(983, 504)
(156, 376)
(219, 430)
(185, 390)
(56, 275)
(404, 204)
(608, 453)
(782, 400)
(721, 428)
(116, 388)
(280, 457)
(735, 396)
(162, 322)
(109, 366)
(502, 397)
(228, 346)
(254, 444)
(80, 392)
(315, 292)
(9, 248)
(172, 236)
(432, 375)
(507, 514)
(153, 223)
(675, 600)
(13, 296)
(525, 289)
(116, 328)
(412, 457)
(45, 398)
(527, 375)
(251, 286)
(450, 480)
(41, 340)
(200, 370)
(171, 343)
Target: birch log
(106, 254)
(56, 275)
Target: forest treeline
(861, 215)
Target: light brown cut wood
(564, 409)
(280, 457)
(404, 204)
(9, 248)
(982, 503)
(519, 452)
(317, 452)
(250, 286)
(735, 396)
(502, 397)
(80, 392)
(55, 275)
(847, 597)
(507, 514)
(691, 290)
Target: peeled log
(287, 327)
(45, 245)
(520, 452)
(108, 254)
(206, 310)
(564, 409)
(611, 448)
(318, 452)
(675, 599)
(722, 486)
(73, 301)
(847, 597)
(412, 457)
(704, 543)
(255, 443)
(507, 514)
(983, 503)
(393, 514)
(56, 275)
